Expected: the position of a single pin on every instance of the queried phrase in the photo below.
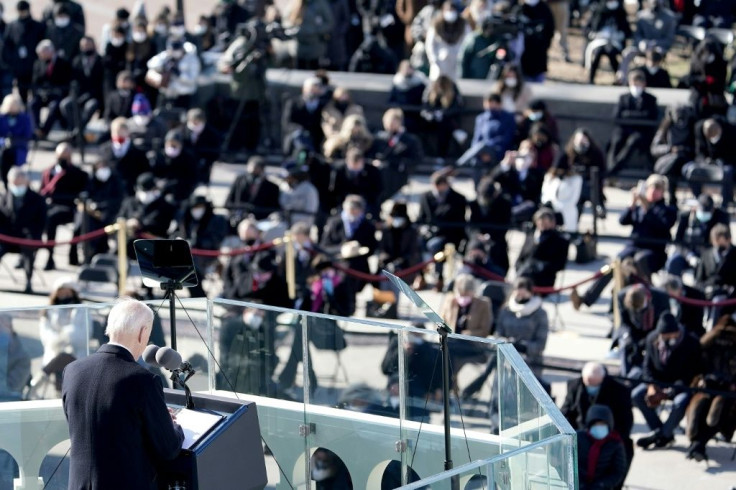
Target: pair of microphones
(169, 359)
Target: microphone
(149, 355)
(168, 358)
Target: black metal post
(595, 196)
(444, 347)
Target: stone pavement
(576, 335)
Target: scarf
(595, 452)
(524, 309)
(317, 290)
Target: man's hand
(133, 224)
(172, 413)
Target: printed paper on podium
(195, 424)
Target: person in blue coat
(16, 130)
(493, 133)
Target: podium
(229, 456)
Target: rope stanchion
(122, 239)
(201, 252)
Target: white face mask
(398, 222)
(172, 151)
(320, 474)
(195, 128)
(652, 69)
(714, 139)
(523, 162)
(141, 120)
(146, 197)
(178, 31)
(511, 82)
(711, 58)
(161, 29)
(612, 5)
(636, 90)
(103, 173)
(531, 3)
(117, 41)
(449, 15)
(197, 213)
(18, 190)
(252, 319)
(139, 36)
(200, 29)
(61, 22)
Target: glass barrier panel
(544, 465)
(473, 476)
(352, 395)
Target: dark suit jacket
(612, 394)
(367, 184)
(207, 146)
(129, 166)
(90, 80)
(265, 199)
(119, 426)
(118, 104)
(26, 221)
(451, 210)
(334, 236)
(713, 273)
(723, 149)
(691, 316)
(636, 109)
(542, 261)
(54, 84)
(22, 37)
(154, 217)
(682, 365)
(67, 188)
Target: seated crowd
(340, 190)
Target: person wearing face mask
(124, 157)
(248, 357)
(238, 279)
(493, 133)
(396, 152)
(60, 185)
(141, 49)
(672, 356)
(546, 148)
(520, 181)
(716, 272)
(73, 9)
(224, 21)
(524, 323)
(203, 141)
(88, 73)
(657, 77)
(444, 40)
(304, 113)
(203, 229)
(351, 224)
(407, 87)
(327, 469)
(114, 57)
(656, 26)
(490, 218)
(63, 33)
(252, 193)
(399, 245)
(22, 215)
(561, 189)
(466, 314)
(19, 47)
(174, 73)
(630, 138)
(176, 168)
(596, 387)
(693, 234)
(673, 145)
(146, 130)
(336, 110)
(515, 94)
(119, 102)
(602, 461)
(607, 32)
(441, 214)
(714, 157)
(537, 41)
(544, 252)
(146, 212)
(718, 13)
(121, 20)
(298, 198)
(582, 155)
(331, 293)
(359, 177)
(52, 76)
(16, 130)
(160, 31)
(97, 208)
(17, 369)
(537, 112)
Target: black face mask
(722, 250)
(89, 52)
(523, 301)
(63, 162)
(65, 301)
(342, 106)
(250, 242)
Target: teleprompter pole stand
(170, 287)
(443, 330)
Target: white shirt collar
(121, 345)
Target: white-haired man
(119, 424)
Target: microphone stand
(443, 329)
(176, 379)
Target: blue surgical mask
(703, 216)
(599, 431)
(593, 390)
(328, 286)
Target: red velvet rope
(25, 242)
(380, 277)
(201, 252)
(539, 289)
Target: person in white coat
(444, 41)
(175, 73)
(298, 197)
(561, 189)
